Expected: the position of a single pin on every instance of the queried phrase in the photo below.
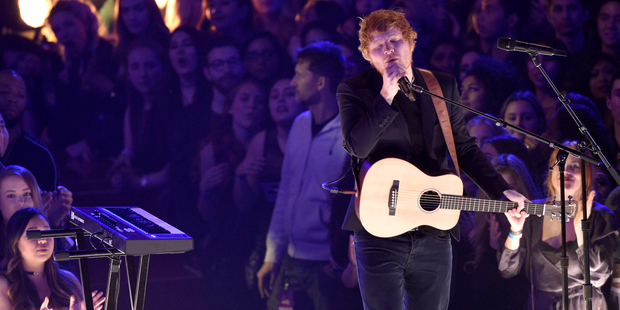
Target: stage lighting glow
(161, 3)
(34, 12)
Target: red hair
(382, 21)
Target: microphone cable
(329, 186)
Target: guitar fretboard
(483, 205)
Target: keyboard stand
(137, 281)
(113, 289)
(136, 235)
(84, 272)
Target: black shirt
(27, 151)
(412, 114)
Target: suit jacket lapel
(376, 82)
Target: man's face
(608, 23)
(489, 19)
(388, 46)
(262, 59)
(306, 84)
(225, 68)
(566, 16)
(12, 96)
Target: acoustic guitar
(396, 197)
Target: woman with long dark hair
(84, 120)
(147, 118)
(33, 279)
(138, 19)
(19, 189)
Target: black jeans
(409, 271)
(313, 288)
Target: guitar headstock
(554, 210)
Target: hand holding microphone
(394, 80)
(405, 87)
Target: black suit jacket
(374, 129)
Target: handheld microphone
(509, 44)
(405, 87)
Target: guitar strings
(470, 203)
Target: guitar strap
(442, 114)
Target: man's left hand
(515, 196)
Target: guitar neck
(453, 202)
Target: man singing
(411, 270)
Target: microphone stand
(585, 223)
(564, 258)
(501, 123)
(553, 144)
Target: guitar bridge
(393, 197)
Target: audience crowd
(192, 104)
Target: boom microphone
(509, 44)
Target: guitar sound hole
(429, 200)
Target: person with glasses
(266, 58)
(223, 67)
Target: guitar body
(396, 197)
(412, 194)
